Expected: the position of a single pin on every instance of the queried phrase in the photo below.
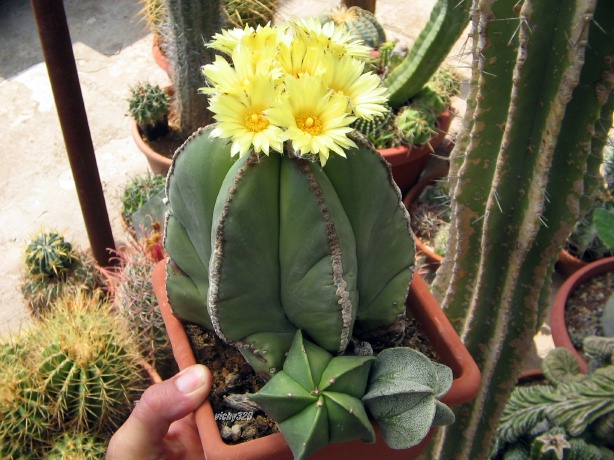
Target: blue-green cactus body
(263, 246)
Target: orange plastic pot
(420, 304)
(408, 162)
(560, 335)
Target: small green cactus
(381, 131)
(253, 13)
(360, 23)
(25, 421)
(149, 106)
(315, 399)
(403, 396)
(78, 445)
(54, 268)
(415, 125)
(442, 237)
(49, 255)
(90, 371)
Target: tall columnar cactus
(445, 26)
(190, 24)
(331, 233)
(542, 76)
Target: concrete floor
(113, 51)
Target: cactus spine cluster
(542, 76)
(361, 23)
(256, 288)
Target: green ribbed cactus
(403, 396)
(148, 104)
(315, 399)
(54, 268)
(49, 255)
(78, 446)
(446, 24)
(263, 246)
(415, 124)
(189, 25)
(361, 23)
(524, 163)
(24, 418)
(90, 371)
(381, 131)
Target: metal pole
(57, 49)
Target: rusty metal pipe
(57, 49)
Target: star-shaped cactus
(316, 398)
(403, 396)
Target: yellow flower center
(311, 125)
(256, 122)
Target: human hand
(161, 426)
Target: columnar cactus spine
(517, 186)
(324, 240)
(191, 23)
(447, 22)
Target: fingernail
(190, 379)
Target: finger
(160, 405)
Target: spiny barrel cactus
(315, 399)
(149, 106)
(263, 246)
(77, 445)
(361, 23)
(87, 363)
(415, 124)
(381, 131)
(49, 255)
(25, 421)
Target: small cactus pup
(403, 396)
(315, 399)
(149, 106)
(360, 23)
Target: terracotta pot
(159, 164)
(530, 376)
(567, 264)
(160, 58)
(431, 256)
(420, 304)
(408, 163)
(560, 336)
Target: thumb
(160, 405)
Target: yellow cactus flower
(304, 83)
(346, 76)
(316, 120)
(242, 118)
